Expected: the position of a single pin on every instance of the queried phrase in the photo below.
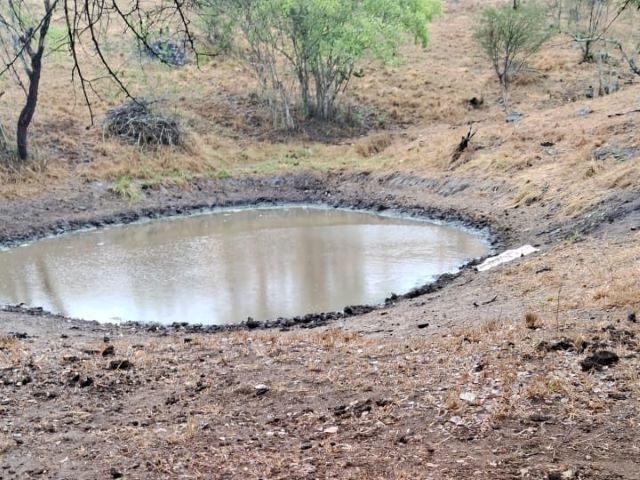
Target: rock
(18, 335)
(352, 310)
(115, 473)
(468, 396)
(120, 365)
(251, 323)
(564, 344)
(514, 117)
(456, 420)
(601, 358)
(87, 382)
(475, 102)
(331, 430)
(540, 418)
(589, 92)
(168, 52)
(631, 316)
(617, 396)
(260, 389)
(583, 112)
(554, 476)
(110, 351)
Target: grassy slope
(423, 102)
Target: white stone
(468, 396)
(506, 256)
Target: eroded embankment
(449, 199)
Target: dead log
(463, 145)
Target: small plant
(223, 174)
(509, 37)
(126, 188)
(575, 237)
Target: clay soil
(497, 375)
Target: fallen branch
(611, 115)
(136, 123)
(463, 145)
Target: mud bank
(97, 207)
(451, 200)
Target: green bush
(305, 52)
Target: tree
(591, 20)
(23, 39)
(509, 37)
(588, 22)
(630, 55)
(305, 52)
(25, 24)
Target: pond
(224, 266)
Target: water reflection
(223, 267)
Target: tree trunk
(504, 91)
(587, 56)
(33, 72)
(26, 115)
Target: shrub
(509, 37)
(305, 52)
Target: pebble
(468, 396)
(261, 389)
(456, 420)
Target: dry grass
(427, 95)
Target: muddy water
(223, 267)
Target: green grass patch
(126, 188)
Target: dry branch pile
(137, 123)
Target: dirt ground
(496, 375)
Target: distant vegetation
(305, 52)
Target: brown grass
(426, 95)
